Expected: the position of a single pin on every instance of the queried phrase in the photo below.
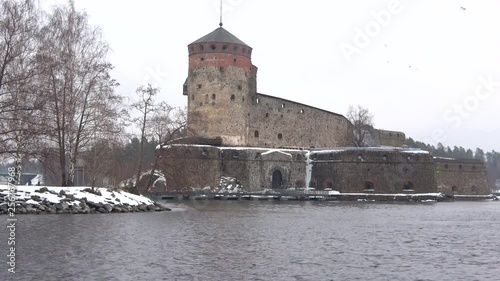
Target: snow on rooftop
(276, 151)
(388, 149)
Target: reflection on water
(252, 240)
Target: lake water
(253, 240)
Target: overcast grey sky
(428, 68)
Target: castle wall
(349, 170)
(186, 166)
(276, 122)
(391, 138)
(461, 176)
(373, 171)
(254, 168)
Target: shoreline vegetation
(72, 200)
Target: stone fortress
(269, 142)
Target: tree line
(58, 101)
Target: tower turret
(221, 86)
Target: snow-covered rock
(80, 199)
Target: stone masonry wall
(349, 170)
(373, 171)
(220, 89)
(391, 138)
(254, 168)
(461, 176)
(276, 122)
(187, 166)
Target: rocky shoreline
(78, 200)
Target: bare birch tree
(80, 92)
(167, 123)
(146, 106)
(20, 99)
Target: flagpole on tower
(220, 23)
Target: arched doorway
(277, 179)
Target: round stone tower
(221, 87)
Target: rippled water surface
(252, 240)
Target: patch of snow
(32, 202)
(277, 151)
(229, 185)
(52, 195)
(308, 168)
(388, 149)
(444, 158)
(398, 194)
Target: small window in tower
(301, 111)
(242, 98)
(192, 97)
(213, 98)
(212, 47)
(239, 87)
(234, 59)
(267, 115)
(206, 98)
(198, 86)
(202, 58)
(202, 47)
(232, 97)
(282, 105)
(224, 47)
(256, 134)
(221, 69)
(280, 136)
(257, 100)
